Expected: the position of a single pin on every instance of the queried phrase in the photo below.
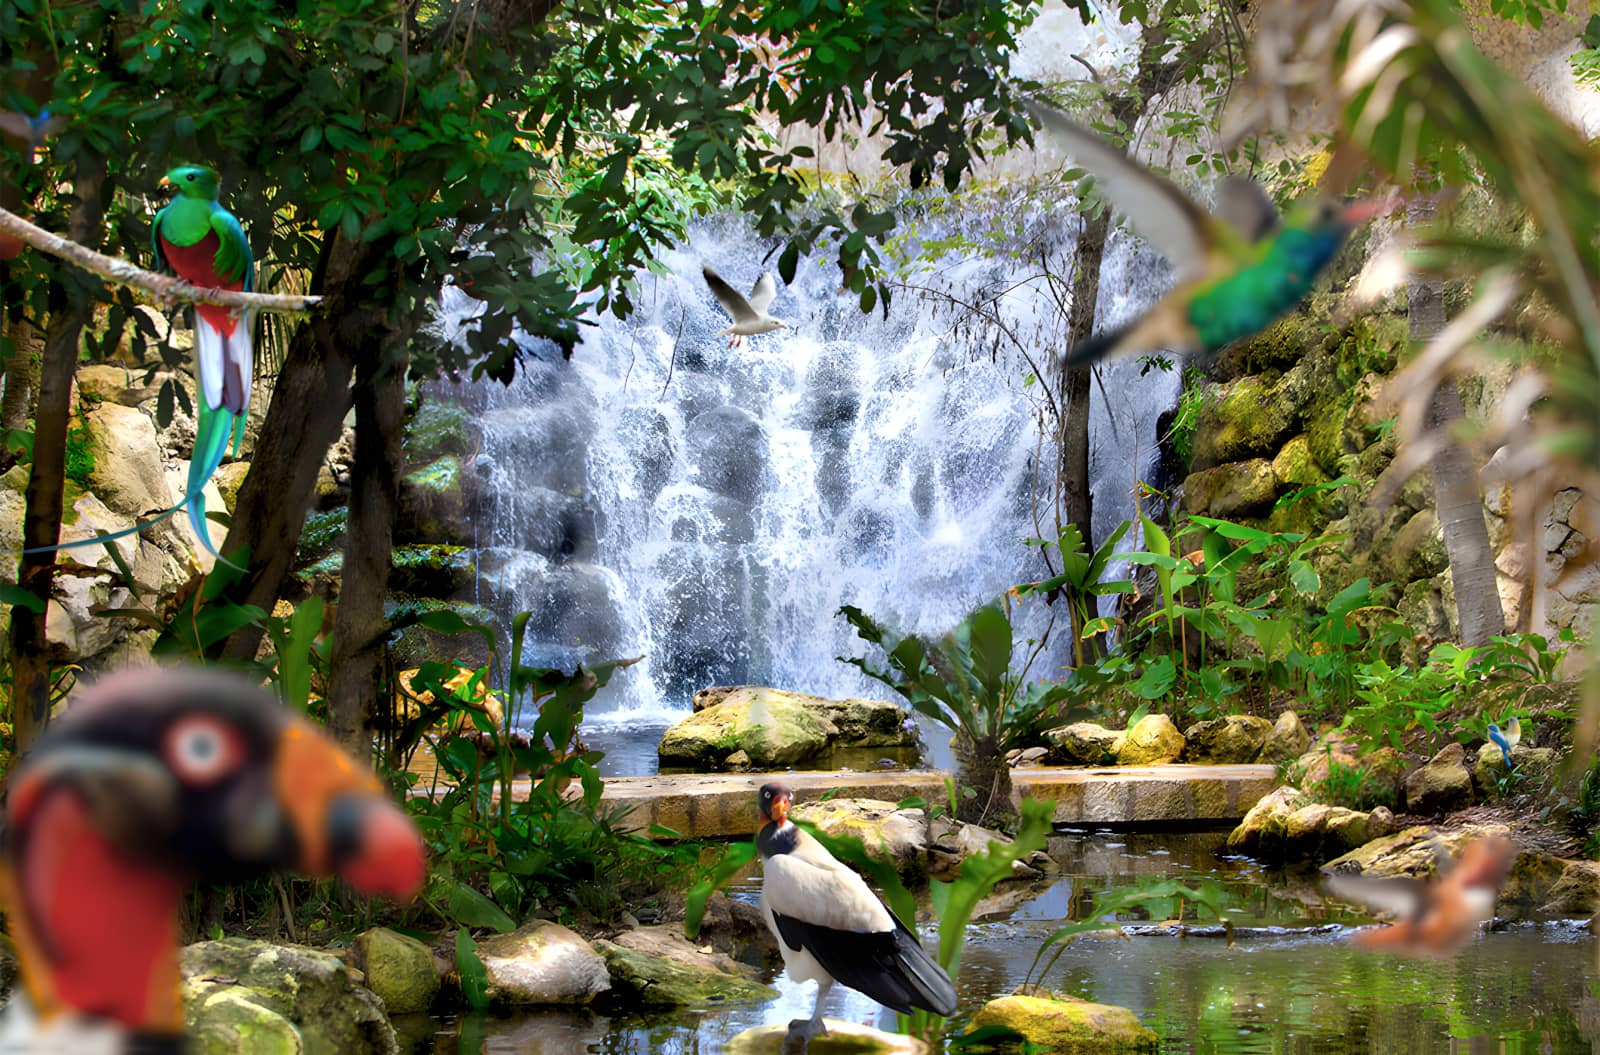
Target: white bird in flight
(749, 315)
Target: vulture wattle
(832, 928)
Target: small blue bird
(1507, 740)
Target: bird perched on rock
(154, 779)
(1434, 917)
(1237, 270)
(832, 928)
(1508, 739)
(749, 315)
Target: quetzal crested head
(193, 181)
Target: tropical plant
(1080, 581)
(965, 682)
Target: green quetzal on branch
(1237, 269)
(204, 245)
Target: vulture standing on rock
(832, 928)
(156, 778)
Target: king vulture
(832, 928)
(156, 778)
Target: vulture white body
(831, 927)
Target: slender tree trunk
(71, 308)
(309, 403)
(359, 624)
(1072, 479)
(22, 374)
(1455, 478)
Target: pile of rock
(1155, 740)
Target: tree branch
(166, 289)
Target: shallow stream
(1289, 982)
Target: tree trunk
(70, 310)
(22, 374)
(981, 766)
(359, 623)
(309, 403)
(1455, 477)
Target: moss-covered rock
(1294, 466)
(439, 428)
(646, 979)
(416, 644)
(432, 571)
(1443, 784)
(774, 728)
(434, 503)
(1062, 1024)
(229, 478)
(1428, 607)
(1152, 740)
(1235, 738)
(247, 996)
(1250, 418)
(323, 534)
(1083, 744)
(1418, 550)
(1235, 489)
(1288, 739)
(396, 967)
(886, 832)
(1534, 766)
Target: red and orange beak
(780, 808)
(344, 823)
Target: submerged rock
(842, 1038)
(1236, 738)
(774, 728)
(1063, 1024)
(644, 978)
(1152, 740)
(542, 963)
(252, 996)
(399, 969)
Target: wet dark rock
(729, 449)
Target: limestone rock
(1534, 766)
(1062, 1024)
(542, 963)
(1248, 420)
(1151, 741)
(110, 383)
(776, 729)
(737, 929)
(127, 473)
(1319, 759)
(1576, 892)
(647, 979)
(667, 940)
(1236, 738)
(1418, 550)
(251, 996)
(896, 835)
(229, 478)
(1027, 756)
(841, 1038)
(1285, 826)
(1443, 784)
(1083, 744)
(398, 968)
(953, 841)
(1232, 489)
(1288, 739)
(1295, 467)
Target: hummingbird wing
(762, 293)
(732, 300)
(1168, 218)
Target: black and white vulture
(153, 779)
(832, 928)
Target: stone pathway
(724, 804)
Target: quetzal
(204, 244)
(1237, 270)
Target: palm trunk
(70, 310)
(1455, 477)
(981, 766)
(359, 624)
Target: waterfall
(708, 508)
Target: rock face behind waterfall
(774, 728)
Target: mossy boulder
(648, 980)
(439, 428)
(417, 644)
(435, 503)
(1418, 549)
(774, 728)
(886, 832)
(1236, 738)
(1083, 744)
(1234, 489)
(1063, 1024)
(432, 571)
(1152, 740)
(1534, 765)
(1288, 739)
(1295, 467)
(323, 534)
(1442, 785)
(396, 967)
(229, 478)
(243, 996)
(1287, 826)
(1428, 607)
(1250, 418)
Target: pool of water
(1290, 983)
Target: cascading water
(661, 494)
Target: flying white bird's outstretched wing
(732, 300)
(762, 292)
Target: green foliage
(80, 452)
(1354, 787)
(1191, 400)
(1081, 580)
(965, 680)
(499, 853)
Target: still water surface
(1529, 988)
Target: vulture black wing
(892, 967)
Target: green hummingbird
(1238, 269)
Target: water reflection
(1526, 988)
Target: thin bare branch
(165, 289)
